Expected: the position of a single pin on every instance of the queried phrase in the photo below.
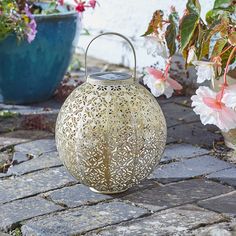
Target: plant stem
(225, 50)
(165, 74)
(225, 84)
(227, 65)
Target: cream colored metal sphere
(110, 134)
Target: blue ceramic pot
(31, 72)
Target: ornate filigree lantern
(110, 132)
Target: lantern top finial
(108, 78)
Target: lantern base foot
(107, 192)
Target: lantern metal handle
(117, 34)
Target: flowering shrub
(208, 45)
(17, 16)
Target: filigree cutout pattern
(110, 136)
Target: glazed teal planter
(31, 72)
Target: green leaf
(232, 39)
(218, 13)
(225, 58)
(218, 26)
(218, 47)
(187, 28)
(222, 3)
(172, 32)
(149, 31)
(194, 6)
(193, 42)
(155, 23)
(211, 16)
(204, 49)
(202, 45)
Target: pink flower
(212, 110)
(160, 83)
(31, 31)
(93, 3)
(60, 2)
(27, 12)
(80, 7)
(31, 26)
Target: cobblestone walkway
(192, 191)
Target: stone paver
(3, 175)
(14, 212)
(188, 169)
(20, 136)
(37, 147)
(221, 229)
(189, 133)
(180, 100)
(224, 204)
(182, 151)
(170, 122)
(227, 176)
(75, 196)
(173, 221)
(80, 194)
(4, 234)
(171, 140)
(46, 160)
(81, 220)
(50, 106)
(31, 184)
(179, 113)
(177, 194)
(10, 124)
(19, 157)
(39, 197)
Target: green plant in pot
(37, 40)
(208, 44)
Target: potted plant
(37, 40)
(209, 45)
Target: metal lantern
(110, 132)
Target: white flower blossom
(205, 70)
(191, 55)
(229, 97)
(160, 84)
(206, 103)
(156, 46)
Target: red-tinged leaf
(218, 26)
(223, 3)
(225, 58)
(218, 47)
(194, 7)
(187, 28)
(218, 13)
(202, 44)
(172, 32)
(155, 23)
(232, 39)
